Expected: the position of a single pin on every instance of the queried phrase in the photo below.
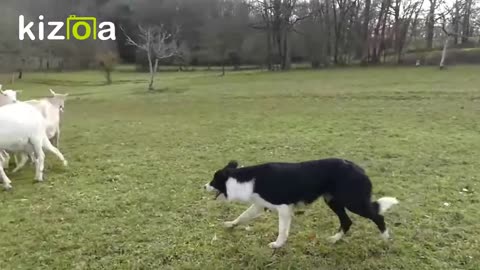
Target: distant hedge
(454, 56)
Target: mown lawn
(132, 196)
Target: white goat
(50, 108)
(5, 99)
(4, 157)
(10, 93)
(24, 131)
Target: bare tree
(405, 22)
(379, 31)
(448, 34)
(157, 43)
(278, 21)
(107, 61)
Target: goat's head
(11, 93)
(5, 98)
(58, 100)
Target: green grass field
(133, 198)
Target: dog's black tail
(383, 204)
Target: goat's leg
(7, 184)
(15, 157)
(57, 138)
(48, 146)
(21, 163)
(6, 161)
(40, 161)
(32, 157)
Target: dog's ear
(232, 165)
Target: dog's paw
(385, 235)
(229, 224)
(275, 245)
(334, 239)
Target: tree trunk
(153, 71)
(444, 53)
(278, 38)
(269, 48)
(430, 24)
(328, 46)
(336, 30)
(466, 21)
(352, 48)
(223, 65)
(150, 68)
(366, 33)
(20, 70)
(269, 34)
(382, 45)
(376, 35)
(456, 22)
(398, 38)
(108, 76)
(286, 63)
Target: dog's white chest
(243, 192)
(239, 191)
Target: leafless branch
(155, 40)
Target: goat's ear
(52, 92)
(1, 87)
(232, 165)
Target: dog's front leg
(252, 212)
(284, 221)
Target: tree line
(271, 33)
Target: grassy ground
(132, 197)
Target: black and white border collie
(282, 186)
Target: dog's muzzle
(209, 188)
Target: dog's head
(218, 184)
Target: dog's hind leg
(252, 212)
(345, 221)
(285, 214)
(367, 211)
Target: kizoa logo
(80, 28)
